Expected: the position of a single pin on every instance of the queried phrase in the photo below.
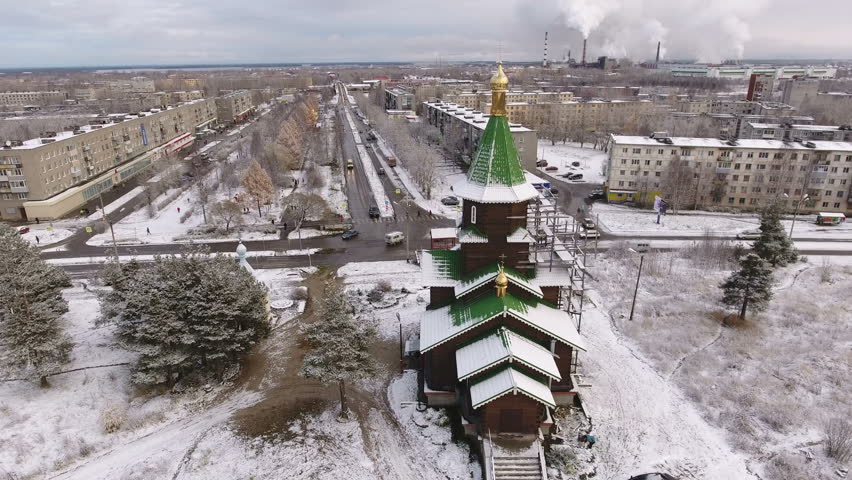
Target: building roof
(443, 324)
(472, 234)
(495, 175)
(520, 235)
(443, 233)
(509, 380)
(440, 268)
(740, 143)
(488, 273)
(470, 116)
(504, 345)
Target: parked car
(566, 175)
(349, 234)
(450, 200)
(653, 476)
(551, 169)
(23, 230)
(391, 161)
(575, 164)
(541, 163)
(576, 176)
(381, 171)
(750, 235)
(554, 191)
(374, 212)
(596, 196)
(394, 238)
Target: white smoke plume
(704, 30)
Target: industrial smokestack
(544, 62)
(658, 53)
(583, 60)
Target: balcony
(723, 170)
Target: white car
(751, 235)
(590, 233)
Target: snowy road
(643, 422)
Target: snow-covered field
(684, 388)
(46, 234)
(592, 161)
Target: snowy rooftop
(443, 233)
(114, 120)
(440, 325)
(506, 381)
(504, 345)
(471, 116)
(795, 126)
(740, 143)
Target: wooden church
(493, 340)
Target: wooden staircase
(517, 468)
(501, 463)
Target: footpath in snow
(643, 422)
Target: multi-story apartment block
(482, 100)
(184, 96)
(398, 98)
(51, 97)
(50, 176)
(590, 115)
(743, 174)
(795, 132)
(464, 126)
(795, 91)
(234, 107)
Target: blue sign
(144, 135)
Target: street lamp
(407, 202)
(796, 212)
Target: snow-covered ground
(304, 233)
(686, 388)
(46, 233)
(117, 203)
(592, 161)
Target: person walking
(148, 230)
(37, 240)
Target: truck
(392, 161)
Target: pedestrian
(37, 221)
(85, 287)
(418, 213)
(148, 229)
(590, 439)
(285, 225)
(273, 221)
(37, 240)
(178, 209)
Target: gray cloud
(109, 32)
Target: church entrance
(511, 420)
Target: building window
(837, 205)
(730, 199)
(824, 204)
(473, 214)
(742, 201)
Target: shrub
(384, 285)
(825, 271)
(112, 418)
(838, 439)
(375, 295)
(184, 216)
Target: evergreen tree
(33, 341)
(189, 314)
(751, 285)
(774, 245)
(339, 344)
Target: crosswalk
(421, 218)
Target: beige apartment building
(590, 115)
(57, 173)
(480, 100)
(463, 127)
(234, 107)
(742, 174)
(50, 97)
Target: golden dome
(499, 81)
(502, 283)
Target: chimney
(544, 62)
(658, 53)
(583, 60)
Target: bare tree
(299, 207)
(258, 185)
(677, 182)
(230, 212)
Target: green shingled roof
(448, 263)
(496, 161)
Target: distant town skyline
(62, 33)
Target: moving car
(596, 195)
(391, 161)
(381, 171)
(349, 234)
(350, 164)
(450, 200)
(588, 224)
(749, 235)
(394, 238)
(374, 212)
(554, 191)
(589, 233)
(551, 169)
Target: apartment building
(741, 174)
(793, 132)
(55, 174)
(482, 100)
(234, 107)
(744, 72)
(463, 127)
(48, 97)
(590, 115)
(796, 91)
(398, 98)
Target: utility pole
(103, 214)
(636, 290)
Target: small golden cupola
(502, 283)
(499, 86)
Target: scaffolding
(559, 249)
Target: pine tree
(774, 245)
(339, 344)
(258, 185)
(193, 314)
(751, 285)
(31, 310)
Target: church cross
(502, 258)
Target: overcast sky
(38, 33)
